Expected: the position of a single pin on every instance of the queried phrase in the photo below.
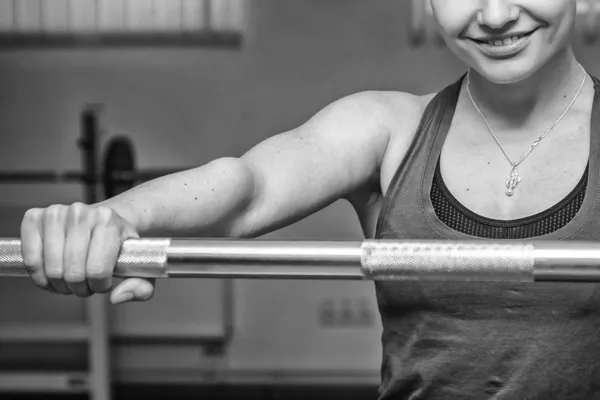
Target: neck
(518, 104)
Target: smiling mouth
(506, 41)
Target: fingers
(74, 249)
(54, 231)
(32, 247)
(102, 257)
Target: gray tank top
(475, 340)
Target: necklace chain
(514, 178)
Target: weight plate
(119, 166)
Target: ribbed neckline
(514, 223)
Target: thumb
(129, 232)
(133, 289)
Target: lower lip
(504, 50)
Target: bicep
(303, 170)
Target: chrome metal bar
(447, 260)
(567, 261)
(265, 259)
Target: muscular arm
(279, 181)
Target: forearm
(210, 200)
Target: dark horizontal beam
(31, 177)
(213, 39)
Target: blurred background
(189, 81)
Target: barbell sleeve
(429, 260)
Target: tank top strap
(436, 116)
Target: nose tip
(497, 14)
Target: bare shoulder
(398, 117)
(395, 114)
(390, 105)
(396, 111)
(374, 121)
(406, 108)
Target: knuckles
(99, 273)
(55, 212)
(45, 263)
(73, 277)
(77, 213)
(55, 273)
(104, 216)
(33, 214)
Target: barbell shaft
(371, 259)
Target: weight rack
(116, 174)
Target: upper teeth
(506, 41)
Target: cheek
(560, 25)
(449, 28)
(555, 12)
(558, 15)
(551, 11)
(452, 16)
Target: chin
(505, 73)
(505, 77)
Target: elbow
(241, 175)
(243, 184)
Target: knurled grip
(11, 259)
(143, 258)
(447, 261)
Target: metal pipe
(371, 259)
(567, 261)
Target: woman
(509, 151)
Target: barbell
(429, 260)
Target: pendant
(512, 181)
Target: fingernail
(123, 297)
